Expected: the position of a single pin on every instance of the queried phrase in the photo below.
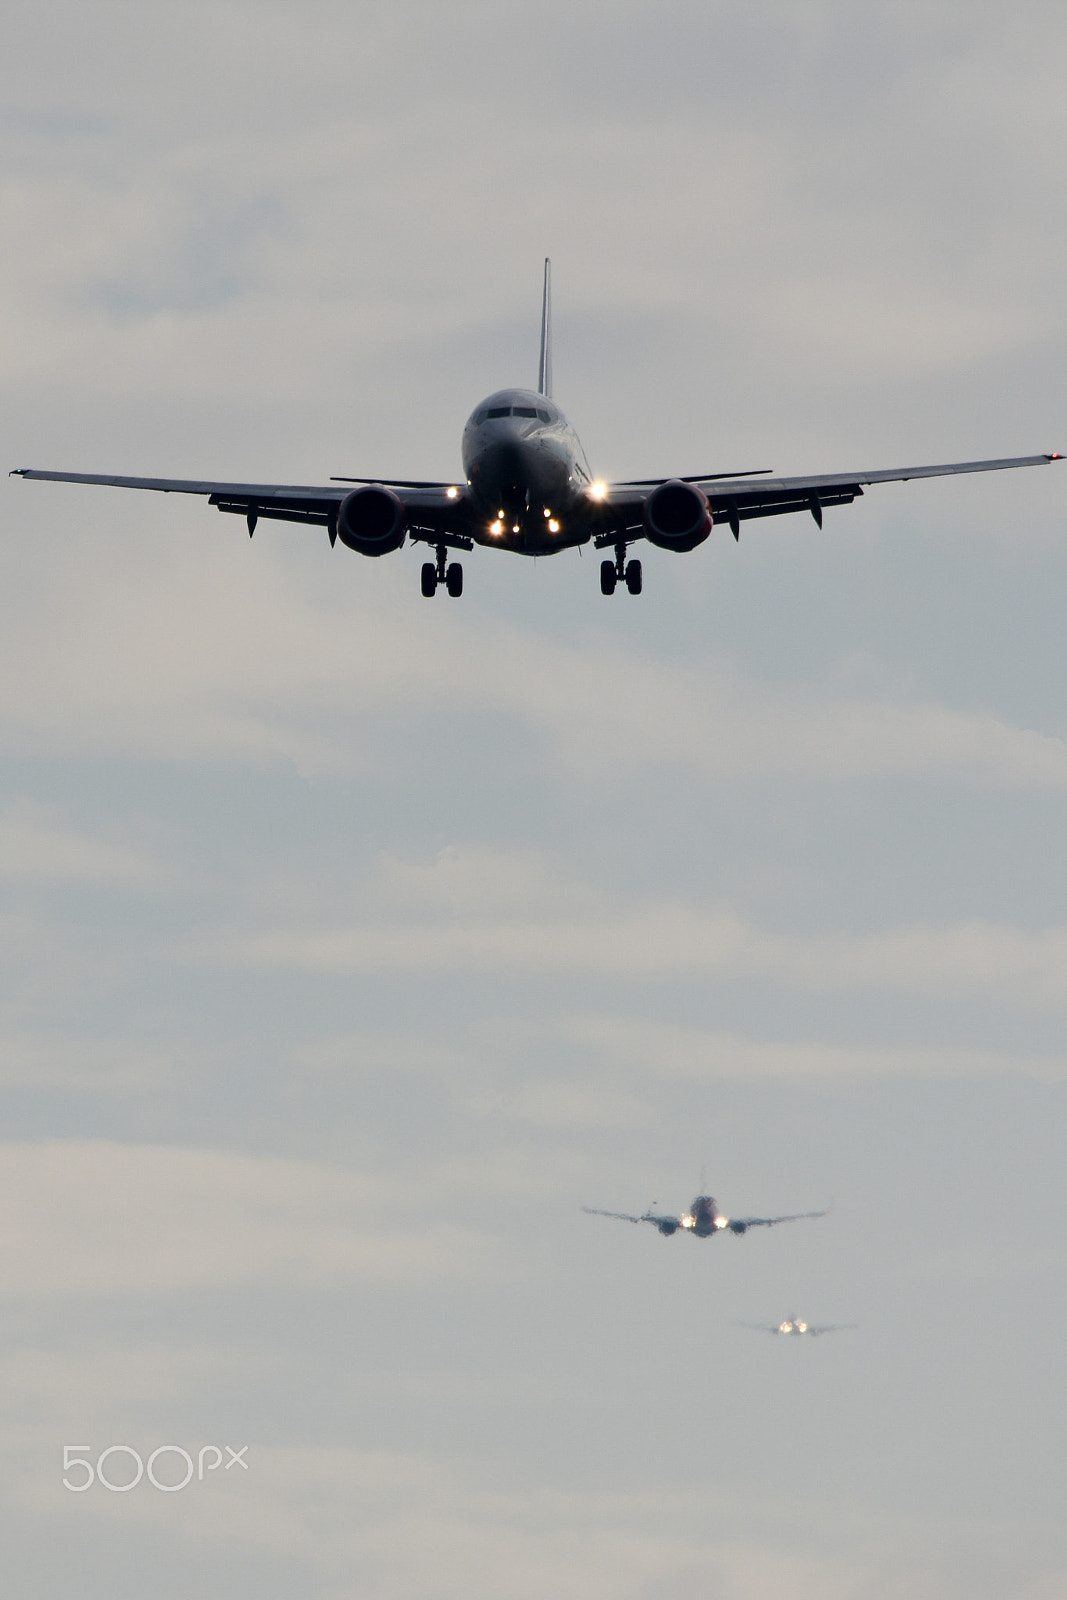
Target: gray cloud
(35, 845)
(97, 1218)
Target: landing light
(722, 1222)
(553, 525)
(451, 492)
(514, 527)
(688, 1222)
(597, 490)
(802, 1327)
(496, 529)
(785, 1327)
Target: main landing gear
(620, 571)
(437, 572)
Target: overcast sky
(354, 942)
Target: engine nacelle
(667, 1226)
(372, 521)
(677, 516)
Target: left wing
(620, 1216)
(734, 500)
(666, 1225)
(430, 507)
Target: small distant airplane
(794, 1328)
(703, 1219)
(527, 487)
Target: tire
(454, 580)
(633, 577)
(429, 579)
(608, 577)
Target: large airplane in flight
(702, 1219)
(794, 1328)
(527, 487)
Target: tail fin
(544, 371)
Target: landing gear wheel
(429, 579)
(454, 580)
(633, 577)
(608, 577)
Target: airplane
(794, 1327)
(527, 487)
(703, 1219)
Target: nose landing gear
(437, 572)
(620, 571)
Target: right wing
(740, 1224)
(734, 500)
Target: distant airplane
(794, 1328)
(702, 1219)
(527, 487)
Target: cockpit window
(478, 417)
(512, 411)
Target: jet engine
(738, 1227)
(667, 1226)
(677, 516)
(372, 521)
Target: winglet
(544, 371)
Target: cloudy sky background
(354, 942)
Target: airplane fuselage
(703, 1219)
(527, 474)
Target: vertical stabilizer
(544, 371)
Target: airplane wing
(430, 506)
(740, 1224)
(664, 1224)
(831, 1327)
(735, 500)
(620, 1216)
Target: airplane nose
(505, 461)
(506, 478)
